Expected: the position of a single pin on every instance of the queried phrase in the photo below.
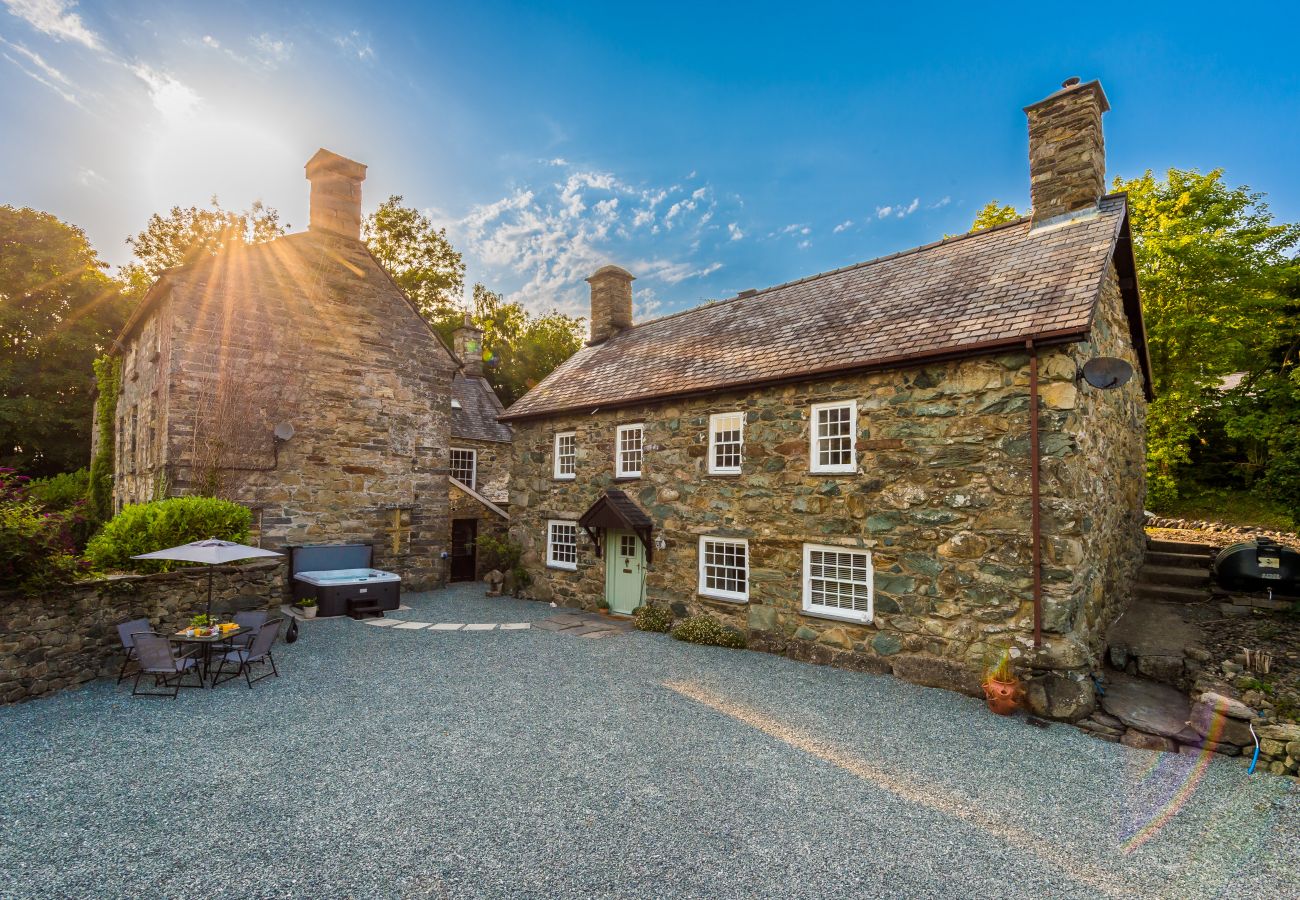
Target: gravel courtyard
(413, 763)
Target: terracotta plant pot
(1003, 697)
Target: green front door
(624, 571)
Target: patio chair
(158, 657)
(127, 632)
(257, 651)
(252, 619)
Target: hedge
(146, 527)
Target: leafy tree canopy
(1212, 268)
(419, 257)
(58, 311)
(185, 236)
(994, 213)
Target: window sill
(564, 478)
(739, 601)
(636, 477)
(725, 474)
(559, 568)
(855, 618)
(853, 471)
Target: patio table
(206, 643)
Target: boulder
(1147, 707)
(1140, 740)
(1285, 733)
(932, 671)
(1057, 696)
(1228, 706)
(1208, 721)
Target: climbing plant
(108, 377)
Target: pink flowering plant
(37, 545)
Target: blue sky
(707, 148)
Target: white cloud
(271, 51)
(899, 210)
(559, 161)
(734, 230)
(87, 177)
(843, 226)
(171, 97)
(911, 207)
(542, 241)
(940, 204)
(353, 43)
(44, 73)
(55, 18)
(212, 42)
(882, 212)
(804, 245)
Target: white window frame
(619, 470)
(714, 420)
(813, 438)
(716, 593)
(836, 612)
(551, 561)
(472, 484)
(556, 471)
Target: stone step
(1182, 560)
(1174, 576)
(1171, 593)
(1188, 547)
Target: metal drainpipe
(1035, 521)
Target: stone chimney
(468, 341)
(335, 194)
(611, 302)
(1067, 157)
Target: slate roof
(961, 296)
(477, 418)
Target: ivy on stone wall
(108, 378)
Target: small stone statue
(494, 580)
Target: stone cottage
(894, 466)
(479, 459)
(295, 377)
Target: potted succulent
(1002, 690)
(602, 606)
(308, 607)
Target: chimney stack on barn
(1067, 156)
(335, 194)
(468, 344)
(611, 302)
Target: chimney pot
(611, 302)
(468, 344)
(335, 193)
(1071, 81)
(1067, 154)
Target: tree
(58, 311)
(419, 257)
(184, 236)
(519, 349)
(1212, 266)
(992, 214)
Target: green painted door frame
(624, 571)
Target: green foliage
(62, 491)
(307, 602)
(994, 213)
(602, 603)
(653, 618)
(146, 527)
(202, 620)
(707, 630)
(1230, 506)
(37, 550)
(1212, 267)
(108, 377)
(185, 236)
(58, 311)
(502, 555)
(419, 257)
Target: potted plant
(1002, 689)
(200, 625)
(603, 606)
(308, 607)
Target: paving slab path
(534, 764)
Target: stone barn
(894, 466)
(295, 377)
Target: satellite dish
(284, 431)
(1107, 372)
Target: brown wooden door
(464, 558)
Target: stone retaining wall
(69, 636)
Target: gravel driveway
(529, 763)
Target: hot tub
(352, 592)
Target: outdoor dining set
(213, 652)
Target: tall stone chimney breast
(611, 302)
(468, 341)
(1067, 155)
(335, 193)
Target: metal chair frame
(128, 644)
(163, 679)
(249, 655)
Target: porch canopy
(616, 509)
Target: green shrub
(108, 376)
(707, 630)
(36, 545)
(60, 492)
(146, 527)
(653, 618)
(505, 556)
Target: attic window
(455, 404)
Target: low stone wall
(69, 636)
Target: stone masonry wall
(308, 330)
(463, 506)
(941, 498)
(69, 636)
(493, 474)
(140, 422)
